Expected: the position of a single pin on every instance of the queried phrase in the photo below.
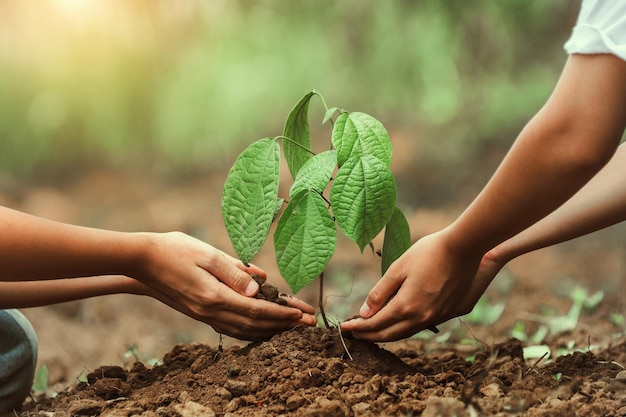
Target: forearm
(599, 204)
(39, 293)
(558, 152)
(32, 248)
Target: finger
(236, 277)
(299, 304)
(243, 327)
(254, 270)
(380, 295)
(257, 310)
(396, 331)
(251, 269)
(308, 320)
(383, 319)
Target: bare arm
(569, 140)
(599, 204)
(185, 273)
(40, 293)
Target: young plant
(361, 198)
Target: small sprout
(616, 318)
(82, 377)
(42, 379)
(557, 376)
(233, 371)
(484, 312)
(537, 352)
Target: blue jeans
(18, 359)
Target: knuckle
(255, 313)
(235, 278)
(405, 310)
(376, 297)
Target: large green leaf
(304, 240)
(397, 239)
(249, 198)
(359, 134)
(363, 197)
(315, 173)
(297, 129)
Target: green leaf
(279, 205)
(397, 239)
(536, 352)
(297, 129)
(329, 113)
(315, 173)
(249, 197)
(363, 198)
(42, 379)
(304, 240)
(359, 134)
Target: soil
(269, 292)
(317, 372)
(123, 355)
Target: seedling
(348, 187)
(42, 379)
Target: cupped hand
(206, 284)
(427, 285)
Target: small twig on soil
(220, 347)
(612, 363)
(321, 301)
(343, 342)
(535, 364)
(485, 346)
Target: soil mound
(318, 372)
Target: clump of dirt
(318, 372)
(268, 292)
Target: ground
(123, 355)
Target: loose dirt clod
(268, 292)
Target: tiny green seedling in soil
(349, 187)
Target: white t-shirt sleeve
(600, 29)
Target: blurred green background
(177, 88)
(127, 114)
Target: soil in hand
(268, 292)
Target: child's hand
(205, 283)
(426, 286)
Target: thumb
(242, 281)
(378, 296)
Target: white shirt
(600, 28)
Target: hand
(206, 284)
(427, 285)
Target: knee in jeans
(18, 359)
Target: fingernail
(365, 310)
(252, 288)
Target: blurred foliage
(183, 85)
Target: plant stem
(321, 301)
(321, 98)
(293, 142)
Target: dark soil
(268, 292)
(317, 372)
